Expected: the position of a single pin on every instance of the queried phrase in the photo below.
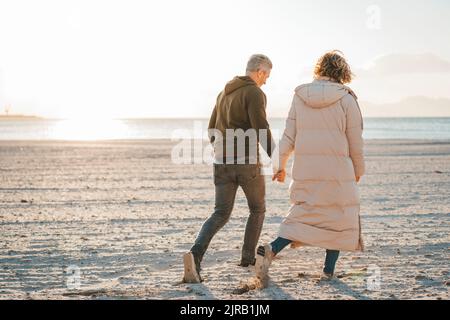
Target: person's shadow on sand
(200, 290)
(344, 289)
(278, 293)
(252, 285)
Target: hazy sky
(171, 58)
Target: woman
(324, 131)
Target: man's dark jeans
(227, 179)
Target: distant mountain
(409, 107)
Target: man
(237, 125)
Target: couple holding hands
(323, 133)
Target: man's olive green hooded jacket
(241, 105)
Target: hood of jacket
(322, 93)
(237, 83)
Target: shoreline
(205, 140)
(25, 117)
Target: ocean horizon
(426, 128)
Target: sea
(126, 129)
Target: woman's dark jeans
(330, 259)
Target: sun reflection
(89, 129)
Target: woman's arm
(287, 142)
(354, 130)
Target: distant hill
(419, 106)
(409, 107)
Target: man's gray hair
(257, 62)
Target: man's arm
(212, 122)
(212, 125)
(258, 120)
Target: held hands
(280, 176)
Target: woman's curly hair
(333, 65)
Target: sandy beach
(111, 220)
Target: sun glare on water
(89, 129)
